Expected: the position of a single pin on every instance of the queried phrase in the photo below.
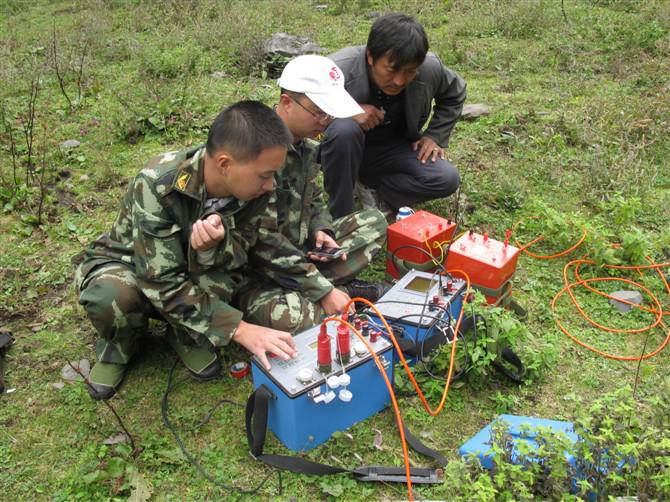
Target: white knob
(333, 381)
(345, 379)
(305, 375)
(345, 395)
(360, 349)
(328, 396)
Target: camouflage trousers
(361, 234)
(120, 311)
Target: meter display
(420, 284)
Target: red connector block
(489, 263)
(420, 230)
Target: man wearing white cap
(304, 285)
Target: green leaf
(94, 477)
(142, 490)
(116, 467)
(174, 456)
(334, 489)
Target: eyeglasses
(320, 116)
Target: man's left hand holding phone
(325, 248)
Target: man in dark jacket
(395, 80)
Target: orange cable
(408, 371)
(524, 247)
(659, 313)
(569, 286)
(389, 386)
(629, 267)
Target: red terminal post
(374, 335)
(343, 343)
(323, 355)
(508, 234)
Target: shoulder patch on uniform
(183, 180)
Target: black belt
(256, 422)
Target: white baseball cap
(322, 81)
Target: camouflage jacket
(151, 234)
(293, 215)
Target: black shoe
(104, 379)
(371, 291)
(100, 392)
(202, 361)
(210, 372)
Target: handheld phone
(331, 253)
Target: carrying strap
(506, 357)
(504, 299)
(404, 266)
(256, 418)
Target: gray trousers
(392, 169)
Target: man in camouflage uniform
(304, 287)
(177, 247)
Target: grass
(578, 136)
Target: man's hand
(323, 240)
(427, 149)
(335, 301)
(207, 233)
(259, 340)
(371, 118)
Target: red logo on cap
(334, 73)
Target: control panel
(416, 297)
(331, 385)
(309, 370)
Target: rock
(631, 296)
(290, 45)
(57, 385)
(69, 144)
(118, 438)
(70, 375)
(282, 47)
(474, 111)
(218, 74)
(83, 177)
(321, 7)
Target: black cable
(166, 421)
(211, 412)
(456, 376)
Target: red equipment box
(420, 230)
(489, 263)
